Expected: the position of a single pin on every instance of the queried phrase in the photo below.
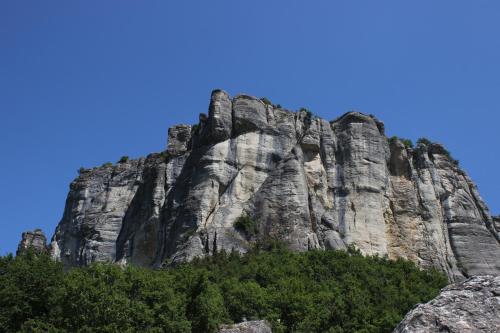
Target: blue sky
(85, 82)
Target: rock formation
(472, 306)
(304, 180)
(257, 326)
(34, 240)
(496, 221)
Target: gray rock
(468, 307)
(306, 181)
(34, 240)
(178, 139)
(496, 222)
(249, 114)
(220, 122)
(257, 326)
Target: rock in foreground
(467, 307)
(258, 326)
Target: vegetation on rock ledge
(315, 291)
(443, 151)
(406, 142)
(246, 225)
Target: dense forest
(315, 291)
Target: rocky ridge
(467, 307)
(309, 182)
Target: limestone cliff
(306, 181)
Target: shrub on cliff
(123, 159)
(315, 291)
(266, 101)
(246, 225)
(406, 142)
(443, 150)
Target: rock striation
(309, 182)
(469, 307)
(257, 326)
(34, 240)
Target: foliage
(246, 225)
(195, 129)
(266, 101)
(315, 291)
(443, 150)
(164, 155)
(309, 116)
(107, 165)
(424, 141)
(123, 159)
(406, 142)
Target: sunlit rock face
(471, 306)
(255, 326)
(304, 180)
(32, 240)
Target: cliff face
(304, 180)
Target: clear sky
(85, 82)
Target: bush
(266, 101)
(246, 225)
(123, 159)
(406, 142)
(107, 165)
(164, 155)
(424, 141)
(315, 291)
(443, 151)
(195, 129)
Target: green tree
(207, 309)
(26, 282)
(314, 291)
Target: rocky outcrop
(258, 326)
(34, 240)
(469, 307)
(496, 222)
(306, 181)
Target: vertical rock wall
(304, 180)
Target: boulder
(257, 326)
(472, 306)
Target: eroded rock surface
(472, 306)
(257, 326)
(304, 180)
(34, 240)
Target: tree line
(314, 291)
